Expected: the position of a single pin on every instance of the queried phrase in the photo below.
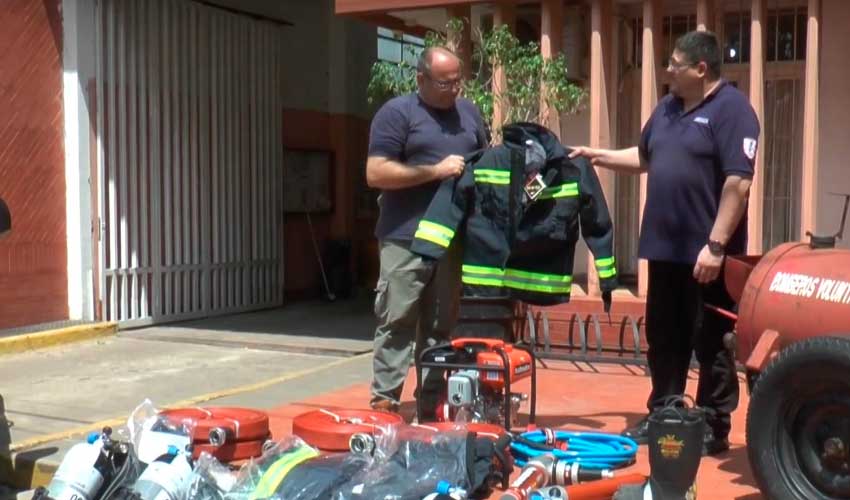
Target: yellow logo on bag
(670, 446)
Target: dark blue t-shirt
(409, 131)
(689, 157)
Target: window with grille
(783, 158)
(786, 34)
(673, 27)
(736, 37)
(785, 39)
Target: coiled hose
(593, 450)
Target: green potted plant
(534, 84)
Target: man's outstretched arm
(627, 160)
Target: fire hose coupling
(549, 437)
(219, 436)
(362, 444)
(566, 473)
(536, 474)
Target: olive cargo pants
(416, 306)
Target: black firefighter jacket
(515, 245)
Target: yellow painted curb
(40, 340)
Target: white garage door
(189, 127)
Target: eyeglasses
(446, 84)
(679, 66)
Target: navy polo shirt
(689, 157)
(410, 132)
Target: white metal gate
(188, 127)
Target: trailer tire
(798, 422)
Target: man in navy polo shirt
(698, 149)
(416, 141)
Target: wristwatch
(716, 248)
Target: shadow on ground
(348, 319)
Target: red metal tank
(791, 293)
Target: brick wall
(33, 277)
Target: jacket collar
(514, 135)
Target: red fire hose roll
(230, 452)
(330, 430)
(238, 424)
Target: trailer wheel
(798, 422)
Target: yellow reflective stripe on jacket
(605, 267)
(533, 287)
(492, 271)
(516, 278)
(271, 479)
(607, 273)
(492, 172)
(562, 191)
(538, 282)
(556, 278)
(435, 233)
(492, 176)
(473, 280)
(490, 180)
(482, 275)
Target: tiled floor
(582, 397)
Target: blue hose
(593, 450)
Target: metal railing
(532, 329)
(584, 340)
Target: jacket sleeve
(438, 227)
(596, 226)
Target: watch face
(715, 247)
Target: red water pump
(479, 373)
(792, 335)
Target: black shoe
(639, 433)
(712, 445)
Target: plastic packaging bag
(166, 478)
(261, 477)
(152, 434)
(210, 480)
(408, 463)
(321, 478)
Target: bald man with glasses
(416, 141)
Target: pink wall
(834, 115)
(575, 131)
